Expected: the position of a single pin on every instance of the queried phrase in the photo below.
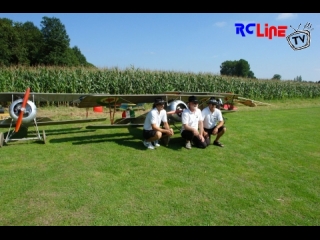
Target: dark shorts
(150, 133)
(188, 135)
(210, 130)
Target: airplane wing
(212, 94)
(203, 97)
(41, 97)
(227, 97)
(94, 100)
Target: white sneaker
(156, 143)
(188, 145)
(148, 144)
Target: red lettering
(258, 31)
(271, 31)
(282, 31)
(266, 33)
(274, 31)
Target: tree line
(26, 44)
(278, 77)
(241, 68)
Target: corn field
(136, 81)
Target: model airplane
(23, 111)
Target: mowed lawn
(266, 175)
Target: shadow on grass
(132, 139)
(22, 136)
(62, 130)
(27, 132)
(174, 144)
(66, 131)
(92, 138)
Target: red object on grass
(98, 109)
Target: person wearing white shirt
(213, 123)
(152, 131)
(192, 124)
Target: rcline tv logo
(300, 39)
(268, 32)
(297, 40)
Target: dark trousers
(189, 136)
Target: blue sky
(188, 42)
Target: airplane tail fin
(250, 102)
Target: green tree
(80, 57)
(276, 77)
(251, 75)
(242, 68)
(239, 68)
(6, 32)
(25, 44)
(33, 42)
(298, 79)
(56, 42)
(228, 68)
(12, 49)
(19, 51)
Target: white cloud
(286, 16)
(220, 24)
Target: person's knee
(158, 134)
(202, 145)
(199, 143)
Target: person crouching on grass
(152, 131)
(192, 125)
(213, 123)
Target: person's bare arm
(201, 131)
(163, 130)
(195, 131)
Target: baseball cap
(193, 99)
(159, 101)
(212, 100)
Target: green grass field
(266, 175)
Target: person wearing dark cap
(152, 130)
(213, 122)
(192, 124)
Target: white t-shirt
(154, 117)
(191, 118)
(210, 119)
